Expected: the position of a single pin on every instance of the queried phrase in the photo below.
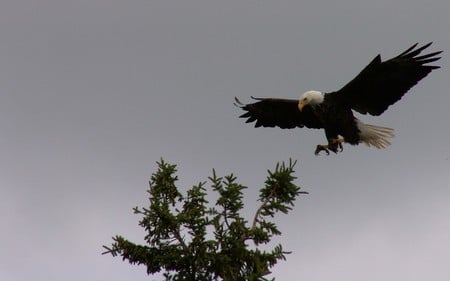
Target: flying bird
(379, 85)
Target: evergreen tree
(188, 240)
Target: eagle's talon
(321, 147)
(334, 148)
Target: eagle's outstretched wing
(283, 113)
(381, 84)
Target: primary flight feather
(379, 85)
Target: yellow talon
(334, 145)
(321, 147)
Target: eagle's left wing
(283, 113)
(382, 83)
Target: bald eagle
(379, 85)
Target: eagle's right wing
(283, 113)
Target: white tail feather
(376, 136)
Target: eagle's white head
(310, 98)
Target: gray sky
(94, 92)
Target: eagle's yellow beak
(301, 104)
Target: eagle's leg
(334, 145)
(337, 144)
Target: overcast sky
(92, 93)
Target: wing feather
(381, 84)
(282, 113)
